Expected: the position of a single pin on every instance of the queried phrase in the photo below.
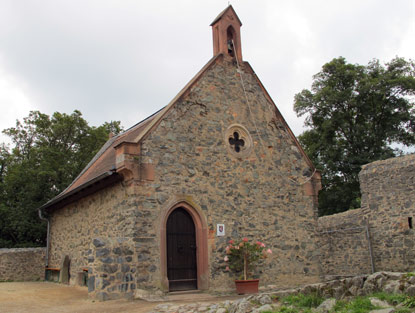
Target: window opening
(230, 41)
(236, 142)
(410, 223)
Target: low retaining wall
(382, 233)
(22, 264)
(364, 285)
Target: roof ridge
(223, 13)
(176, 98)
(152, 121)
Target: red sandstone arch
(201, 245)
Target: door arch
(181, 251)
(184, 210)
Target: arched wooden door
(181, 251)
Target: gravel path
(43, 297)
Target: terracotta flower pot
(247, 286)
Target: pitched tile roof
(104, 161)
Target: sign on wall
(220, 230)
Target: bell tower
(227, 34)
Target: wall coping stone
(14, 250)
(392, 163)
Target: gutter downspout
(47, 238)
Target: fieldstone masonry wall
(25, 264)
(388, 206)
(256, 195)
(344, 244)
(105, 214)
(112, 270)
(388, 193)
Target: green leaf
(354, 114)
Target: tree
(355, 115)
(48, 153)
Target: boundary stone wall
(388, 190)
(344, 244)
(388, 193)
(22, 264)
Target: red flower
(231, 241)
(245, 239)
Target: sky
(125, 59)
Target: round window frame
(244, 135)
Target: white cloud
(14, 103)
(123, 60)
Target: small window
(410, 224)
(238, 140)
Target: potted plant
(241, 257)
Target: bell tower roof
(221, 14)
(226, 28)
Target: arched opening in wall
(183, 248)
(181, 251)
(230, 35)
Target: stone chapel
(156, 206)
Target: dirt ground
(45, 297)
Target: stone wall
(333, 291)
(344, 244)
(388, 193)
(108, 213)
(388, 190)
(258, 195)
(22, 264)
(112, 270)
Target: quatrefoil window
(236, 142)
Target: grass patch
(403, 310)
(409, 302)
(301, 303)
(340, 305)
(393, 298)
(312, 300)
(357, 305)
(284, 309)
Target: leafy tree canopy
(47, 154)
(355, 115)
